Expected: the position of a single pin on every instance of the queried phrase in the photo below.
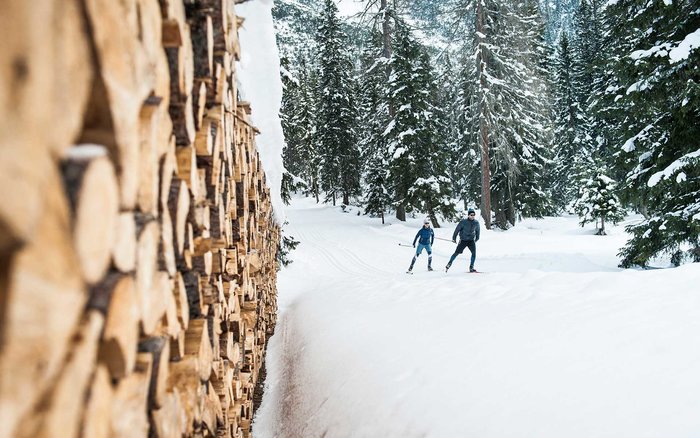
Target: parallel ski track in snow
(344, 259)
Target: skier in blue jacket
(468, 230)
(427, 237)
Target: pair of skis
(470, 272)
(411, 246)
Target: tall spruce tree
(572, 157)
(417, 166)
(513, 115)
(298, 123)
(656, 89)
(463, 160)
(534, 142)
(336, 130)
(592, 48)
(375, 117)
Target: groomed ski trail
(554, 341)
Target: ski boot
(447, 268)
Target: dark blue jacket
(467, 230)
(427, 236)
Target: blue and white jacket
(427, 236)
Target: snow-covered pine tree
(534, 148)
(558, 17)
(374, 110)
(593, 46)
(298, 116)
(435, 192)
(566, 122)
(513, 115)
(463, 158)
(598, 202)
(336, 130)
(417, 166)
(289, 85)
(587, 41)
(658, 93)
(295, 24)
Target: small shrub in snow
(598, 203)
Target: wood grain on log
(116, 298)
(173, 22)
(168, 171)
(169, 420)
(184, 376)
(203, 142)
(199, 100)
(159, 348)
(187, 168)
(98, 410)
(166, 250)
(197, 344)
(183, 308)
(161, 293)
(61, 410)
(31, 358)
(182, 114)
(91, 187)
(37, 41)
(148, 160)
(123, 85)
(203, 45)
(124, 249)
(146, 268)
(128, 418)
(150, 25)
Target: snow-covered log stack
(137, 243)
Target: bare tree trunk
(483, 117)
(386, 52)
(401, 213)
(511, 206)
(314, 186)
(433, 219)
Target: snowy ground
(552, 341)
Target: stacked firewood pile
(137, 241)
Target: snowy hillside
(553, 340)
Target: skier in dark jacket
(427, 237)
(468, 230)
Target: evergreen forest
(520, 108)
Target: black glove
(414, 245)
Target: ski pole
(446, 240)
(403, 244)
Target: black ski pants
(460, 249)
